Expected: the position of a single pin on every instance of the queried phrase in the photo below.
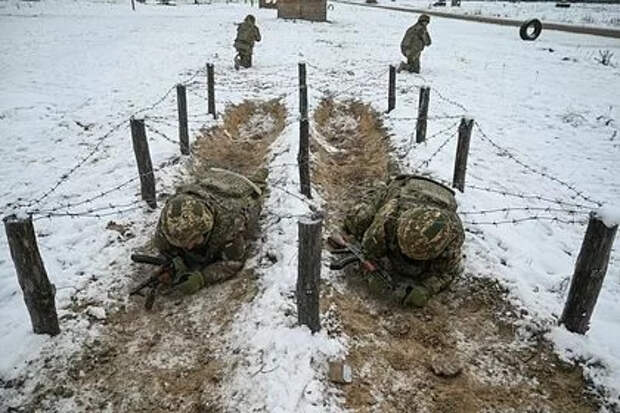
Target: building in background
(314, 10)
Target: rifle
(160, 276)
(353, 248)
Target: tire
(525, 28)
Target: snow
(610, 216)
(548, 103)
(580, 14)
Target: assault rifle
(162, 275)
(355, 254)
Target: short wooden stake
(589, 274)
(303, 91)
(392, 89)
(143, 158)
(462, 152)
(309, 272)
(303, 157)
(211, 90)
(182, 111)
(38, 292)
(420, 128)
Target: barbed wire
(94, 197)
(448, 100)
(88, 215)
(546, 175)
(528, 196)
(526, 208)
(524, 219)
(65, 177)
(439, 117)
(87, 212)
(438, 133)
(160, 134)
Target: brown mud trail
(402, 358)
(174, 357)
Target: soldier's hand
(192, 282)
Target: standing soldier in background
(247, 34)
(416, 38)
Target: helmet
(184, 219)
(424, 18)
(250, 18)
(424, 232)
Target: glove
(179, 265)
(193, 281)
(416, 297)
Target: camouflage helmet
(250, 18)
(424, 18)
(184, 219)
(424, 232)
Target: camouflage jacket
(415, 40)
(374, 223)
(235, 204)
(247, 34)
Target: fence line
(529, 196)
(513, 157)
(532, 218)
(511, 209)
(438, 133)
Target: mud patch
(242, 141)
(459, 353)
(350, 151)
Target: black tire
(524, 31)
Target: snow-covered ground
(581, 14)
(549, 102)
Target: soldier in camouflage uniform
(411, 227)
(205, 228)
(415, 40)
(247, 34)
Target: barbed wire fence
(95, 206)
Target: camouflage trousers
(413, 63)
(243, 60)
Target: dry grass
(242, 141)
(350, 151)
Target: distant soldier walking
(247, 34)
(415, 40)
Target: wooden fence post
(303, 91)
(462, 152)
(143, 158)
(309, 272)
(303, 158)
(182, 111)
(392, 89)
(589, 274)
(38, 292)
(420, 128)
(211, 90)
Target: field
(544, 153)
